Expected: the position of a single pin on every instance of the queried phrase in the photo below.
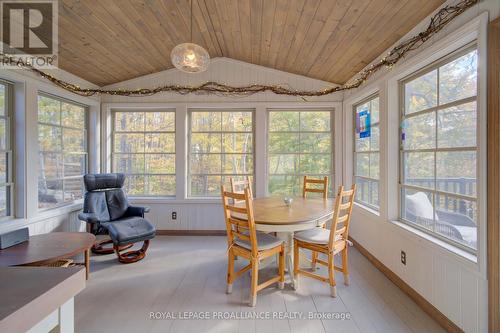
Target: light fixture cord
(191, 28)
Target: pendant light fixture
(190, 57)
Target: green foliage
(300, 143)
(221, 146)
(144, 149)
(62, 149)
(440, 142)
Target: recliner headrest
(103, 181)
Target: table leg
(87, 263)
(287, 237)
(67, 317)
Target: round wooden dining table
(271, 214)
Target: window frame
(355, 153)
(435, 65)
(62, 152)
(9, 151)
(113, 153)
(189, 135)
(331, 175)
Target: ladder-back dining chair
(244, 241)
(328, 241)
(239, 185)
(317, 186)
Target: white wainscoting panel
(190, 216)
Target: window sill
(56, 211)
(366, 210)
(173, 200)
(17, 223)
(450, 248)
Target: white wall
(206, 214)
(26, 86)
(453, 281)
(228, 71)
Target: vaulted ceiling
(108, 41)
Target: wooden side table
(47, 248)
(38, 299)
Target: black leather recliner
(107, 211)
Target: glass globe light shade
(190, 58)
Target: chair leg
(131, 256)
(314, 258)
(281, 267)
(255, 281)
(296, 263)
(345, 268)
(230, 271)
(331, 276)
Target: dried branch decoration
(438, 22)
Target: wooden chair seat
(316, 236)
(264, 242)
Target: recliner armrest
(136, 211)
(88, 217)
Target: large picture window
(438, 175)
(220, 146)
(366, 152)
(6, 184)
(143, 148)
(62, 143)
(299, 143)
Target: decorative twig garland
(438, 22)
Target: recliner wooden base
(101, 247)
(131, 256)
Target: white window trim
(473, 31)
(376, 88)
(188, 158)
(333, 171)
(432, 67)
(86, 107)
(10, 149)
(260, 144)
(25, 88)
(365, 205)
(112, 153)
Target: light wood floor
(188, 274)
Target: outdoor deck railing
(449, 202)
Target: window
(62, 145)
(438, 174)
(6, 184)
(299, 143)
(366, 152)
(143, 148)
(220, 146)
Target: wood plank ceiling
(108, 41)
